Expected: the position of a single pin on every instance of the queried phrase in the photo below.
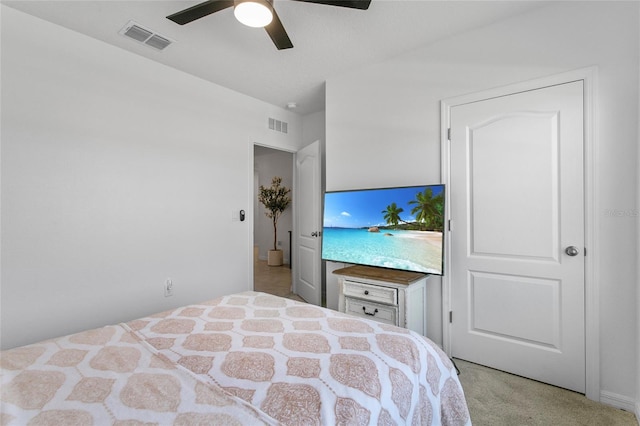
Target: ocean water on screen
(408, 250)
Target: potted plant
(275, 199)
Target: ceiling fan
(257, 13)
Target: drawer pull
(369, 313)
(366, 292)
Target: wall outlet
(168, 287)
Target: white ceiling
(327, 40)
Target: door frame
(592, 287)
(250, 211)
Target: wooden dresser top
(380, 274)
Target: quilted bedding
(247, 358)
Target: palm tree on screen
(392, 214)
(428, 209)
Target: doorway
(269, 162)
(299, 234)
(518, 288)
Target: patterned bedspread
(247, 358)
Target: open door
(307, 279)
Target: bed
(247, 358)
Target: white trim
(637, 404)
(591, 173)
(618, 401)
(592, 236)
(445, 153)
(249, 213)
(293, 253)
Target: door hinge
(449, 225)
(450, 316)
(449, 133)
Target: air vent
(158, 42)
(278, 126)
(145, 35)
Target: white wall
(117, 172)
(383, 121)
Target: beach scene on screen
(397, 228)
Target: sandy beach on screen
(433, 237)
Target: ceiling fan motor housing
(253, 13)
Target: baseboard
(619, 401)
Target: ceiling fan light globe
(253, 14)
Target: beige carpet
(497, 398)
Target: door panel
(531, 304)
(516, 203)
(497, 183)
(308, 282)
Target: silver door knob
(315, 234)
(572, 250)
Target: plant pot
(274, 258)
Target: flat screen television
(396, 228)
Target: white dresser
(385, 295)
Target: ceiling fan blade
(278, 34)
(199, 11)
(352, 4)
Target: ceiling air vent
(145, 35)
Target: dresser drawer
(373, 293)
(382, 313)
